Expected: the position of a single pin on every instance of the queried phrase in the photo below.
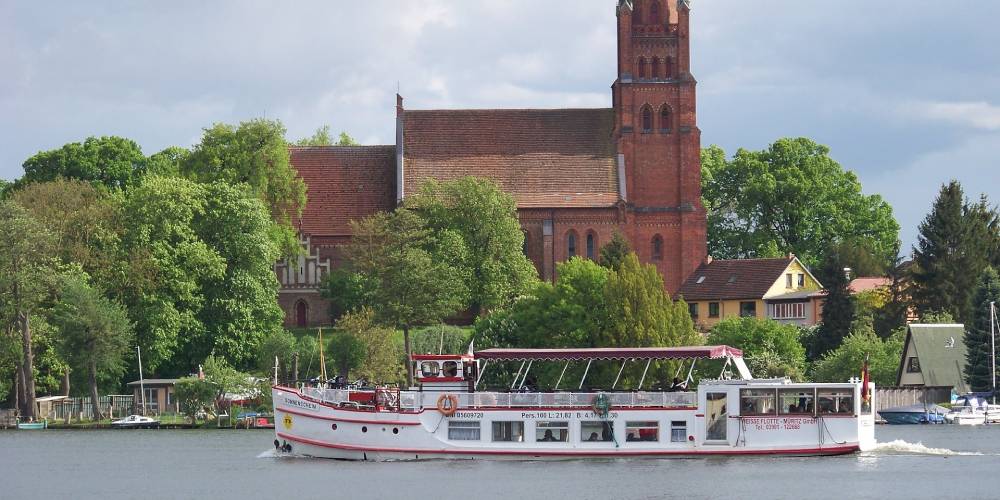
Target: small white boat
(136, 422)
(973, 409)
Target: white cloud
(972, 114)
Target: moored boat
(449, 417)
(914, 414)
(973, 408)
(136, 422)
(32, 426)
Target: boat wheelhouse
(450, 415)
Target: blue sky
(905, 92)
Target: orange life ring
(447, 404)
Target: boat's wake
(900, 447)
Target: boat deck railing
(416, 400)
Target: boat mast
(322, 359)
(993, 344)
(142, 387)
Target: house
(159, 395)
(578, 176)
(933, 356)
(780, 289)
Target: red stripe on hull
(346, 420)
(834, 450)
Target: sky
(906, 93)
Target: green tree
(278, 344)
(111, 161)
(370, 350)
(791, 197)
(838, 307)
(417, 275)
(614, 253)
(4, 187)
(952, 250)
(323, 137)
(254, 153)
(486, 219)
(95, 334)
(979, 350)
(194, 395)
(847, 360)
(167, 163)
(770, 348)
(441, 339)
(26, 281)
(227, 380)
(346, 290)
(640, 313)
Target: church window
(591, 246)
(656, 68)
(657, 247)
(647, 119)
(301, 314)
(642, 68)
(654, 13)
(666, 118)
(571, 245)
(670, 67)
(637, 15)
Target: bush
(847, 360)
(194, 395)
(770, 348)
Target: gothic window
(666, 118)
(670, 67)
(591, 246)
(656, 68)
(642, 68)
(571, 245)
(301, 314)
(637, 15)
(657, 247)
(647, 119)
(654, 13)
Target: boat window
(596, 431)
(642, 431)
(509, 432)
(758, 402)
(678, 431)
(835, 401)
(430, 369)
(796, 401)
(459, 430)
(450, 369)
(552, 432)
(716, 416)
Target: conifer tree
(614, 253)
(838, 310)
(977, 333)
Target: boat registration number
(469, 414)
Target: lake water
(912, 462)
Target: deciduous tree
(114, 162)
(771, 348)
(323, 137)
(846, 361)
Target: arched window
(637, 15)
(571, 245)
(301, 314)
(591, 246)
(657, 247)
(666, 118)
(670, 67)
(656, 68)
(647, 119)
(642, 68)
(654, 13)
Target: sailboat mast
(322, 359)
(142, 387)
(993, 343)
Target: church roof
(558, 158)
(344, 183)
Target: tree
(254, 153)
(952, 250)
(417, 275)
(979, 349)
(640, 313)
(322, 137)
(95, 334)
(368, 348)
(4, 187)
(770, 348)
(167, 163)
(486, 219)
(114, 162)
(346, 290)
(614, 253)
(791, 197)
(26, 273)
(847, 360)
(227, 380)
(838, 306)
(194, 395)
(441, 339)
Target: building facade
(578, 175)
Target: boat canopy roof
(607, 353)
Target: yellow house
(780, 289)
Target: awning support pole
(643, 379)
(482, 370)
(517, 375)
(525, 377)
(688, 378)
(561, 376)
(619, 375)
(585, 372)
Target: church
(578, 175)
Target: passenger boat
(448, 417)
(136, 422)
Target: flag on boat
(865, 377)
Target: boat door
(716, 418)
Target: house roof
(941, 351)
(344, 183)
(154, 381)
(552, 158)
(734, 279)
(865, 284)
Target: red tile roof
(734, 279)
(344, 183)
(545, 158)
(865, 284)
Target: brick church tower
(659, 143)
